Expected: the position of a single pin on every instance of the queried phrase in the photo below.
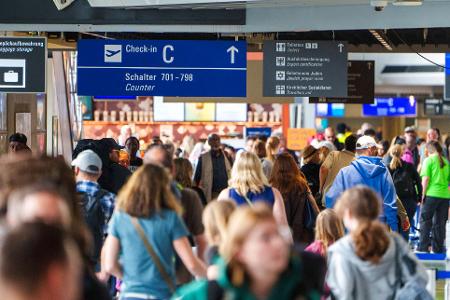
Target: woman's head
(183, 171)
(132, 145)
(310, 155)
(259, 148)
(147, 192)
(359, 207)
(215, 219)
(286, 175)
(272, 147)
(247, 174)
(396, 153)
(434, 147)
(329, 228)
(254, 244)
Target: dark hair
(18, 137)
(28, 251)
(370, 132)
(433, 147)
(370, 238)
(286, 176)
(385, 144)
(399, 140)
(341, 128)
(132, 138)
(437, 131)
(167, 160)
(350, 143)
(183, 172)
(259, 148)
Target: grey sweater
(349, 277)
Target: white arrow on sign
(341, 46)
(232, 50)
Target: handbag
(153, 254)
(309, 215)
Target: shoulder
(195, 290)
(224, 194)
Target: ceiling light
(407, 2)
(382, 38)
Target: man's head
(17, 142)
(39, 261)
(214, 141)
(341, 128)
(410, 135)
(132, 145)
(157, 154)
(432, 135)
(366, 146)
(330, 135)
(350, 143)
(88, 166)
(113, 148)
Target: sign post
(23, 64)
(162, 68)
(305, 69)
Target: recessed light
(407, 2)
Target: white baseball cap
(365, 142)
(88, 161)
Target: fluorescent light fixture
(407, 2)
(382, 39)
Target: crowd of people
(207, 221)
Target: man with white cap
(97, 203)
(368, 170)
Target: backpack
(95, 219)
(403, 182)
(408, 286)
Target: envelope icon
(11, 77)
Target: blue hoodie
(369, 171)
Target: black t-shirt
(114, 177)
(135, 163)
(311, 172)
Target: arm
(198, 172)
(418, 184)
(224, 195)
(425, 182)
(340, 277)
(195, 266)
(335, 190)
(110, 255)
(322, 177)
(390, 203)
(279, 213)
(201, 243)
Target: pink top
(408, 156)
(316, 247)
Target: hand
(406, 225)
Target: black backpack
(403, 182)
(95, 219)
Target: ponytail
(271, 146)
(371, 241)
(396, 153)
(435, 147)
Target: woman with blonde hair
(146, 230)
(249, 185)
(256, 262)
(329, 229)
(407, 182)
(273, 146)
(371, 263)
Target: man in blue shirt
(368, 170)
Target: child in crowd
(329, 229)
(215, 219)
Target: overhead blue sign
(258, 131)
(162, 68)
(391, 107)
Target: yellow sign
(297, 138)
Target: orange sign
(297, 138)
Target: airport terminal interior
(224, 149)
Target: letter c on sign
(167, 60)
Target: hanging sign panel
(360, 84)
(162, 68)
(305, 69)
(23, 64)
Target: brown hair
(259, 148)
(25, 170)
(435, 147)
(215, 219)
(147, 192)
(329, 228)
(396, 152)
(370, 238)
(241, 223)
(286, 176)
(183, 172)
(271, 147)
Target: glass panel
(3, 144)
(40, 108)
(3, 111)
(23, 124)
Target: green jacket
(283, 289)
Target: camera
(379, 5)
